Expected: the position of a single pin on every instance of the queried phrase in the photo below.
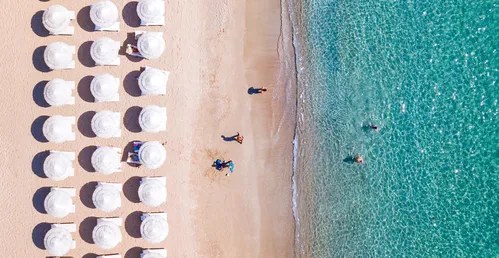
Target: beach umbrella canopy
(57, 92)
(56, 18)
(106, 160)
(152, 192)
(104, 87)
(57, 166)
(58, 241)
(152, 255)
(58, 204)
(106, 198)
(151, 10)
(152, 118)
(104, 51)
(154, 229)
(104, 14)
(152, 154)
(106, 124)
(57, 129)
(106, 234)
(151, 45)
(152, 81)
(58, 55)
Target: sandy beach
(215, 51)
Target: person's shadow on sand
(252, 91)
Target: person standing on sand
(239, 138)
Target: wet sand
(215, 51)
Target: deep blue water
(425, 72)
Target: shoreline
(215, 52)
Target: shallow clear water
(426, 73)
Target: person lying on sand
(131, 49)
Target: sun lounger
(69, 190)
(131, 160)
(114, 27)
(162, 179)
(161, 214)
(69, 155)
(160, 251)
(156, 23)
(71, 227)
(110, 256)
(71, 15)
(116, 185)
(118, 221)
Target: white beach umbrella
(152, 192)
(152, 255)
(57, 129)
(58, 241)
(153, 81)
(104, 51)
(106, 124)
(152, 154)
(104, 87)
(58, 204)
(57, 92)
(106, 160)
(151, 45)
(56, 18)
(104, 14)
(106, 197)
(58, 55)
(57, 166)
(152, 118)
(154, 229)
(151, 10)
(106, 234)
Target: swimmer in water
(359, 159)
(374, 127)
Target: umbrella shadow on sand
(131, 119)
(37, 163)
(84, 54)
(131, 189)
(37, 128)
(85, 229)
(39, 61)
(37, 25)
(132, 224)
(38, 97)
(39, 199)
(38, 234)
(85, 158)
(83, 19)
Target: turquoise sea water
(426, 73)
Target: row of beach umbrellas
(106, 196)
(104, 51)
(107, 234)
(104, 14)
(105, 124)
(105, 87)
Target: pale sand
(215, 51)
